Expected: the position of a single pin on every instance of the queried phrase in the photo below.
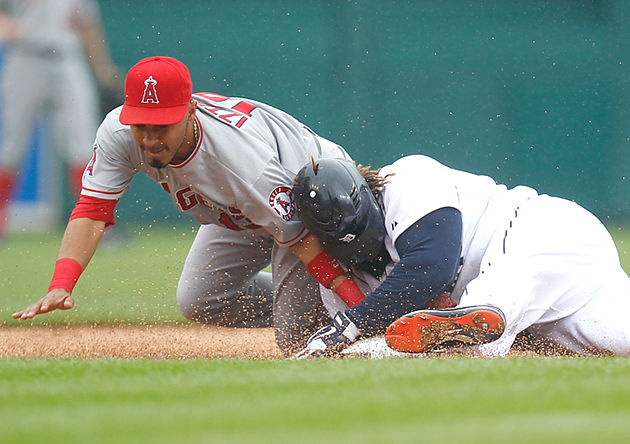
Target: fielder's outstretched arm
(78, 245)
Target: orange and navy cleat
(431, 330)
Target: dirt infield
(172, 342)
(148, 341)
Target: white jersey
(548, 264)
(240, 175)
(419, 185)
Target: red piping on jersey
(296, 238)
(111, 193)
(179, 165)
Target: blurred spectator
(51, 46)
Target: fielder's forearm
(80, 240)
(77, 248)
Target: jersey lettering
(213, 96)
(90, 167)
(236, 115)
(150, 94)
(229, 223)
(245, 108)
(235, 220)
(236, 213)
(229, 220)
(166, 187)
(186, 199)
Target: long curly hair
(375, 181)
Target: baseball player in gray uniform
(228, 162)
(47, 73)
(512, 259)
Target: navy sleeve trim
(429, 253)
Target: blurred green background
(529, 92)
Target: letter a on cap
(150, 94)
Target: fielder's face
(161, 144)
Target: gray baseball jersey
(238, 184)
(239, 175)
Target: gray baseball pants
(223, 283)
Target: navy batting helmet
(335, 203)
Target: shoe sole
(429, 330)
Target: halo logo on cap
(150, 94)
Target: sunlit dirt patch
(146, 341)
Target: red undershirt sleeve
(95, 208)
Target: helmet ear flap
(336, 205)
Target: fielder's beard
(156, 163)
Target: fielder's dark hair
(374, 180)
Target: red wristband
(67, 272)
(324, 268)
(349, 293)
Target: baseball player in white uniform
(512, 259)
(228, 162)
(47, 73)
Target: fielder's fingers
(17, 314)
(29, 312)
(68, 303)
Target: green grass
(352, 401)
(516, 400)
(131, 284)
(134, 283)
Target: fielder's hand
(329, 341)
(57, 299)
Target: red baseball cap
(157, 92)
